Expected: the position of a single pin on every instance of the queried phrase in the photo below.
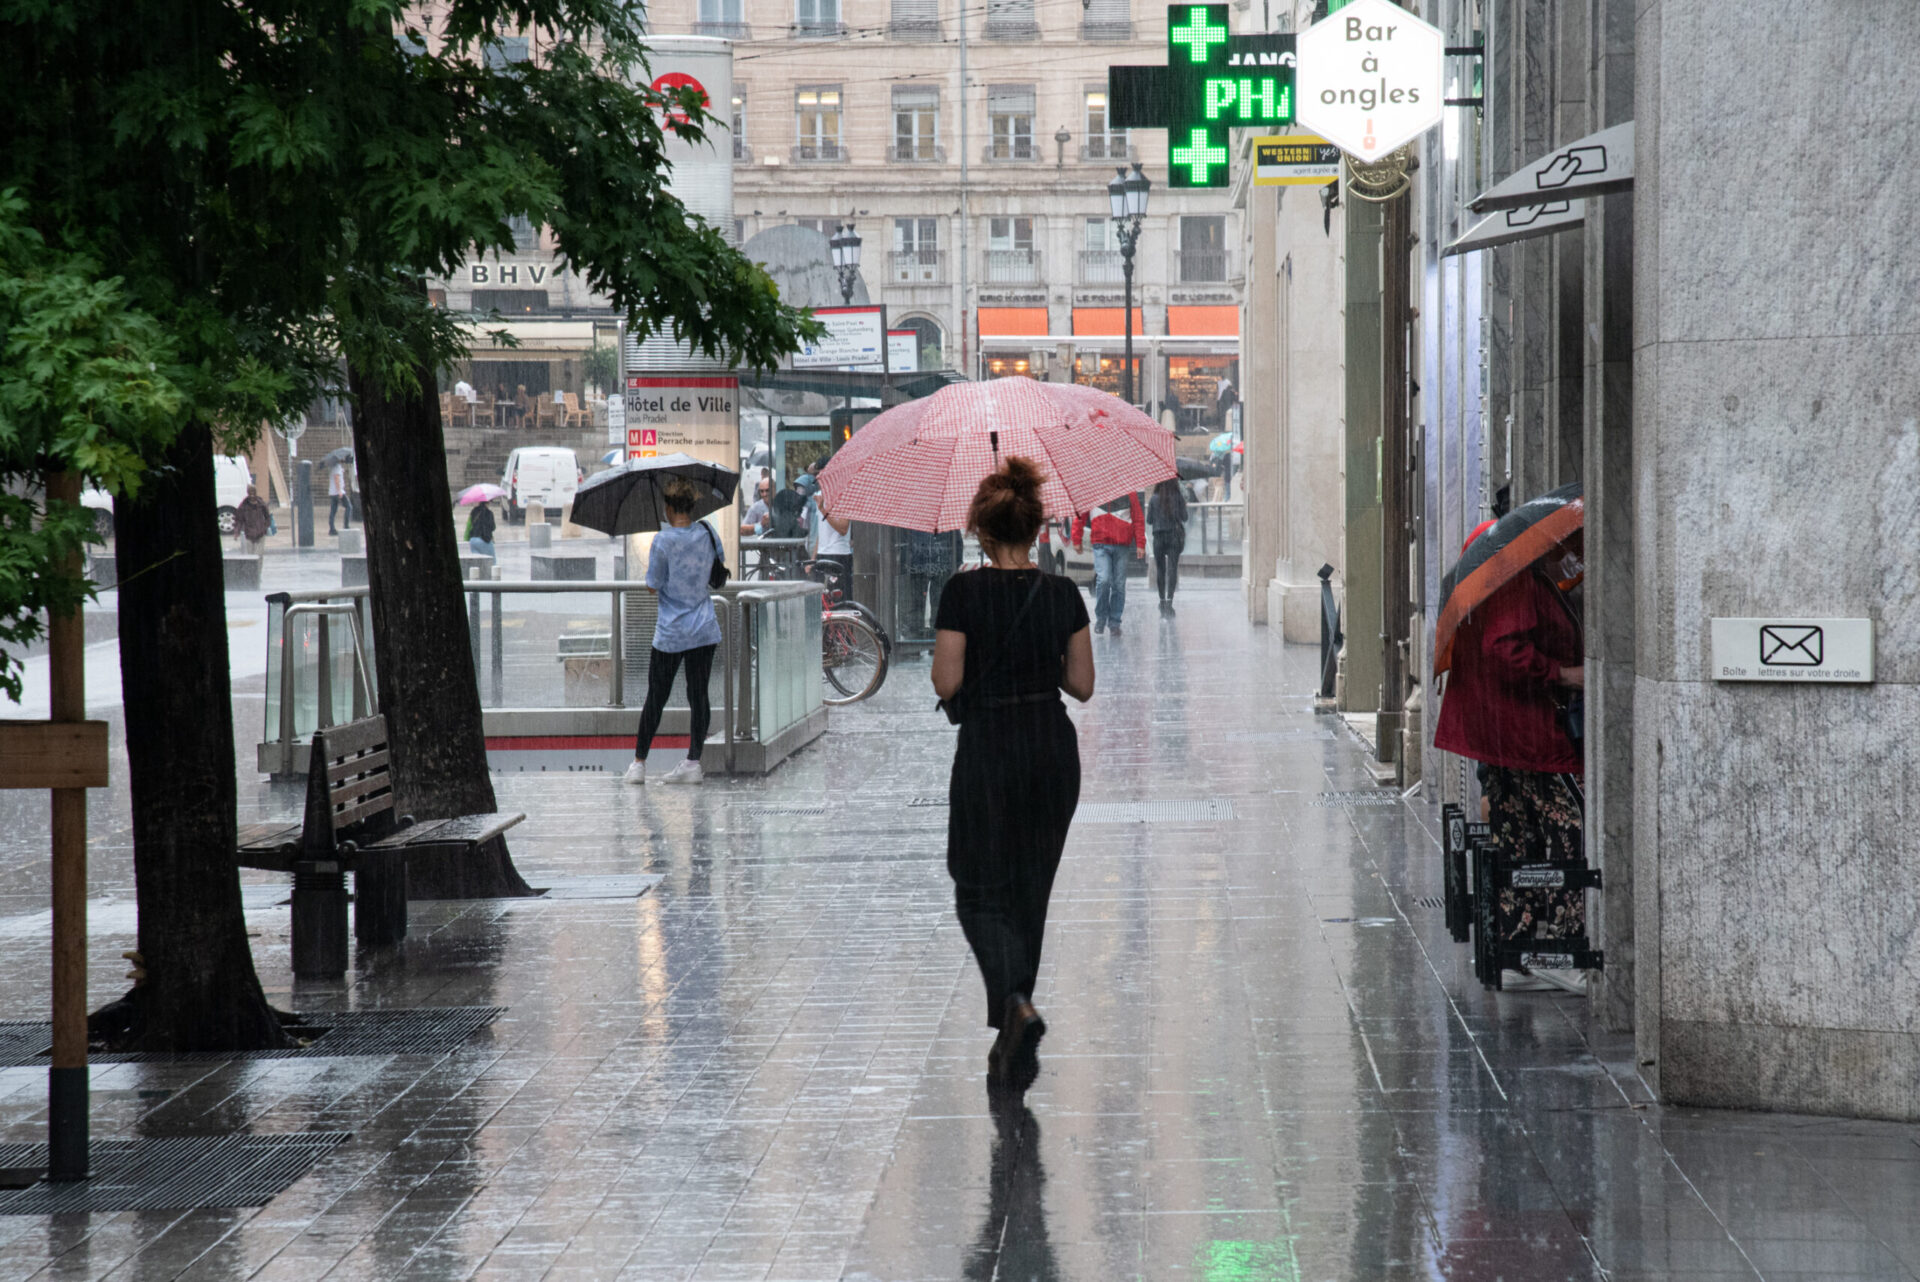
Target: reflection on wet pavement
(1266, 1061)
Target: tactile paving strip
(1210, 810)
(1361, 797)
(431, 1031)
(176, 1173)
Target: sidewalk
(1266, 1059)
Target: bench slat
(359, 810)
(346, 792)
(269, 836)
(355, 736)
(407, 836)
(336, 771)
(467, 829)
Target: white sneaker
(636, 773)
(685, 772)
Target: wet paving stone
(1266, 1060)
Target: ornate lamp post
(1127, 194)
(845, 245)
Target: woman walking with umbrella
(679, 570)
(1514, 653)
(1009, 638)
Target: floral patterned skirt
(1536, 819)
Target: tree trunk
(200, 991)
(428, 688)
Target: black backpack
(788, 511)
(716, 577)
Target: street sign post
(1372, 77)
(1295, 160)
(1213, 82)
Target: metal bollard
(1330, 635)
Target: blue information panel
(1213, 82)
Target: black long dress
(1016, 773)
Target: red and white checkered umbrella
(918, 466)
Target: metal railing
(1101, 267)
(917, 267)
(918, 153)
(818, 153)
(1220, 524)
(1012, 267)
(1207, 266)
(769, 680)
(1017, 150)
(914, 29)
(1106, 30)
(1111, 146)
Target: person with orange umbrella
(1513, 651)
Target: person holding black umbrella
(680, 571)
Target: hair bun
(1007, 508)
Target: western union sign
(1296, 160)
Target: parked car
(231, 477)
(542, 474)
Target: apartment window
(916, 19)
(916, 250)
(1106, 20)
(1103, 236)
(1010, 235)
(1011, 20)
(816, 17)
(721, 18)
(1100, 253)
(825, 226)
(738, 126)
(507, 50)
(1102, 142)
(816, 110)
(1203, 247)
(1010, 120)
(526, 237)
(916, 122)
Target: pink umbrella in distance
(917, 466)
(481, 493)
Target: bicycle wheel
(851, 657)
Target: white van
(231, 477)
(540, 474)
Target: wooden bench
(350, 827)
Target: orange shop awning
(1211, 321)
(1106, 322)
(1013, 322)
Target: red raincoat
(1500, 704)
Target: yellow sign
(1295, 160)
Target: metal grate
(941, 802)
(1211, 810)
(768, 812)
(177, 1173)
(606, 887)
(1359, 797)
(1431, 901)
(432, 1031)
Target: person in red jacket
(1516, 661)
(1115, 529)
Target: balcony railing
(742, 153)
(1106, 30)
(1012, 29)
(725, 30)
(915, 29)
(1101, 267)
(1208, 266)
(917, 267)
(1012, 267)
(819, 153)
(1011, 151)
(1107, 147)
(919, 153)
(814, 30)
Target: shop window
(1200, 391)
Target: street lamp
(845, 245)
(1127, 194)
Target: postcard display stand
(1475, 871)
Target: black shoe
(1019, 1044)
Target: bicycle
(854, 648)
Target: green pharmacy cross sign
(1213, 81)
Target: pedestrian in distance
(251, 522)
(1117, 527)
(1167, 519)
(834, 557)
(480, 525)
(759, 517)
(686, 629)
(1008, 640)
(339, 497)
(1518, 661)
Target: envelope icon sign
(1791, 645)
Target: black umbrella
(628, 500)
(342, 455)
(1193, 469)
